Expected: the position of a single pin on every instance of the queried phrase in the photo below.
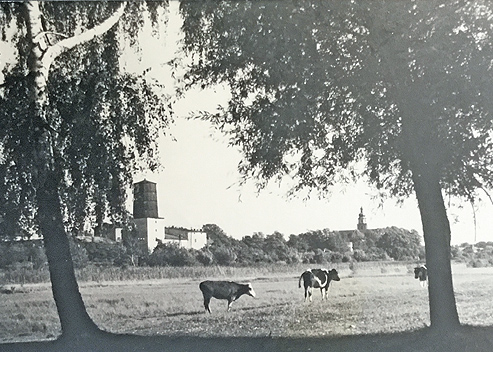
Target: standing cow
(318, 279)
(421, 273)
(224, 290)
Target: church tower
(361, 221)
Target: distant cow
(421, 273)
(224, 290)
(318, 279)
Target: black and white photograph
(246, 176)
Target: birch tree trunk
(74, 319)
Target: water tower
(145, 200)
(150, 227)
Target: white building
(151, 228)
(187, 238)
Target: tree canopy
(103, 121)
(318, 87)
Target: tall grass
(94, 273)
(24, 276)
(101, 274)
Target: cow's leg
(207, 300)
(326, 292)
(310, 293)
(322, 292)
(230, 302)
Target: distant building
(109, 231)
(350, 236)
(187, 238)
(151, 228)
(361, 221)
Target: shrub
(205, 256)
(108, 253)
(24, 253)
(80, 256)
(477, 263)
(224, 256)
(172, 255)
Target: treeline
(313, 247)
(474, 255)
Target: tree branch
(68, 43)
(45, 33)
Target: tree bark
(436, 231)
(74, 319)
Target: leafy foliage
(171, 255)
(103, 121)
(474, 255)
(317, 86)
(400, 244)
(28, 253)
(391, 244)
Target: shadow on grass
(195, 313)
(464, 339)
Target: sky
(199, 181)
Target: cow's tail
(299, 281)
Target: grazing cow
(421, 273)
(224, 290)
(318, 279)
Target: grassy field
(369, 299)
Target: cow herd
(312, 279)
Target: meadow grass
(366, 301)
(95, 273)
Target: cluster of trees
(319, 247)
(30, 254)
(474, 255)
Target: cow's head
(333, 275)
(420, 272)
(249, 290)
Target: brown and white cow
(224, 290)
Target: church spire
(362, 221)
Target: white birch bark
(43, 54)
(74, 319)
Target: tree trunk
(74, 320)
(436, 230)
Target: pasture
(367, 300)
